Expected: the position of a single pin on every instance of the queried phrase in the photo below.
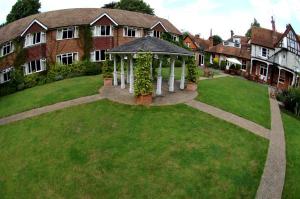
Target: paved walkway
(272, 181)
(215, 77)
(229, 117)
(50, 108)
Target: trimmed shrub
(107, 70)
(143, 83)
(223, 65)
(192, 73)
(291, 100)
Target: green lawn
(241, 97)
(292, 136)
(109, 150)
(49, 94)
(166, 72)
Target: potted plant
(192, 77)
(107, 74)
(143, 86)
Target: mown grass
(49, 94)
(108, 150)
(241, 97)
(292, 136)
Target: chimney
(231, 33)
(211, 41)
(273, 24)
(274, 34)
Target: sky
(200, 16)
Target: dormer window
(130, 32)
(156, 33)
(102, 31)
(35, 38)
(67, 33)
(6, 49)
(175, 38)
(264, 52)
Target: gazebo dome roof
(150, 44)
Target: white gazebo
(158, 48)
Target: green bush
(192, 73)
(223, 65)
(291, 100)
(107, 69)
(34, 80)
(143, 83)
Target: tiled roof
(81, 16)
(231, 51)
(264, 37)
(151, 44)
(203, 44)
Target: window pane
(65, 34)
(102, 30)
(102, 55)
(97, 55)
(70, 59)
(33, 66)
(70, 33)
(38, 37)
(38, 65)
(107, 30)
(64, 60)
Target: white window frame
(201, 57)
(74, 56)
(98, 33)
(60, 33)
(267, 52)
(31, 39)
(265, 70)
(244, 69)
(126, 31)
(3, 73)
(156, 33)
(101, 58)
(175, 38)
(28, 66)
(6, 45)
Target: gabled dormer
(157, 29)
(289, 41)
(102, 26)
(35, 33)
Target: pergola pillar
(159, 78)
(251, 66)
(267, 74)
(172, 75)
(151, 69)
(128, 71)
(122, 73)
(131, 81)
(182, 81)
(115, 71)
(278, 76)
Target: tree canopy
(131, 5)
(254, 24)
(23, 8)
(217, 39)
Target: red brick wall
(103, 43)
(34, 28)
(103, 21)
(159, 28)
(36, 52)
(7, 61)
(192, 45)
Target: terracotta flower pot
(108, 81)
(144, 99)
(191, 86)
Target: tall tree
(131, 5)
(111, 5)
(254, 24)
(217, 40)
(23, 8)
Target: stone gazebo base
(122, 96)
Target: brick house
(275, 57)
(236, 49)
(55, 36)
(198, 46)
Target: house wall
(256, 52)
(7, 61)
(192, 45)
(35, 52)
(34, 28)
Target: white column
(151, 69)
(182, 75)
(172, 75)
(131, 82)
(278, 76)
(128, 72)
(251, 67)
(122, 73)
(115, 71)
(159, 79)
(294, 79)
(267, 74)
